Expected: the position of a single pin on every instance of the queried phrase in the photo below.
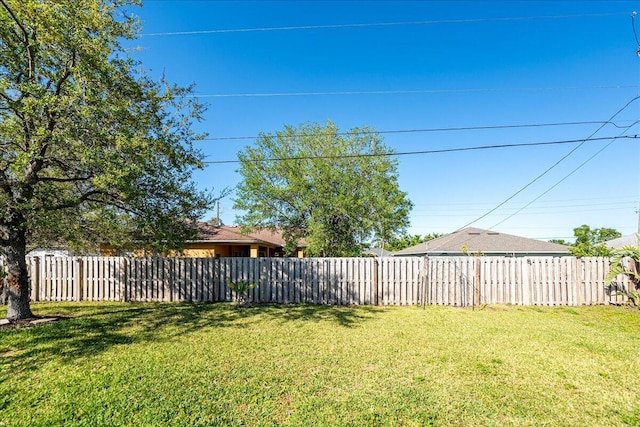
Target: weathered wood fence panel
(454, 281)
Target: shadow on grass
(89, 329)
(347, 317)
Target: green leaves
(334, 190)
(408, 240)
(241, 288)
(626, 261)
(590, 242)
(91, 147)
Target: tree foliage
(560, 242)
(590, 242)
(409, 240)
(625, 260)
(335, 190)
(91, 146)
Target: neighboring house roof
(49, 252)
(629, 240)
(476, 240)
(379, 252)
(234, 235)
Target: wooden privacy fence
(465, 281)
(456, 281)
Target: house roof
(49, 252)
(379, 252)
(234, 235)
(628, 240)
(476, 240)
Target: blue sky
(431, 65)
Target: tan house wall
(205, 250)
(208, 250)
(107, 250)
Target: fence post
(34, 277)
(577, 294)
(79, 279)
(425, 281)
(375, 282)
(476, 287)
(123, 282)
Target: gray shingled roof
(379, 252)
(629, 240)
(484, 241)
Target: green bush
(241, 289)
(626, 261)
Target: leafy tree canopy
(560, 242)
(91, 146)
(409, 240)
(590, 242)
(334, 190)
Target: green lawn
(167, 364)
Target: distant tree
(335, 190)
(590, 242)
(560, 242)
(90, 146)
(409, 240)
(215, 221)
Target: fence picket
(560, 281)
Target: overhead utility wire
(625, 199)
(451, 129)
(621, 205)
(405, 92)
(409, 153)
(561, 180)
(589, 138)
(635, 35)
(528, 213)
(374, 24)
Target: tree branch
(70, 65)
(72, 204)
(4, 183)
(11, 105)
(68, 179)
(118, 205)
(15, 19)
(25, 34)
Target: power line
(396, 131)
(635, 35)
(560, 181)
(626, 200)
(610, 205)
(554, 165)
(529, 213)
(409, 153)
(407, 92)
(375, 24)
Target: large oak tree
(91, 146)
(334, 190)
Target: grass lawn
(118, 364)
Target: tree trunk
(17, 282)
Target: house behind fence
(455, 281)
